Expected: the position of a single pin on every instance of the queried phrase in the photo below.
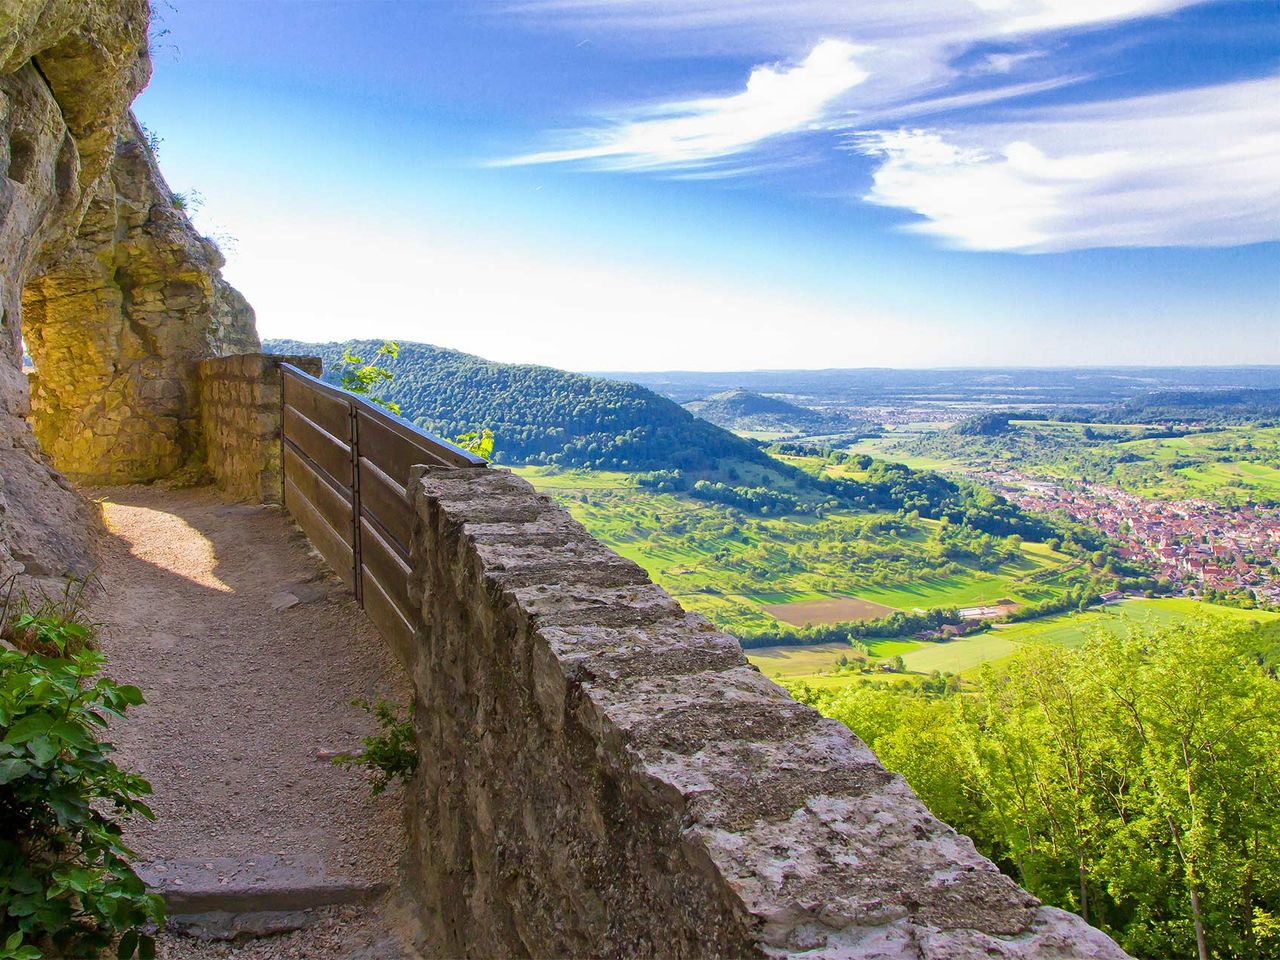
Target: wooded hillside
(540, 415)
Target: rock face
(124, 296)
(116, 322)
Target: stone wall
(604, 774)
(240, 411)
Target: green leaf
(43, 750)
(11, 770)
(147, 947)
(128, 945)
(130, 695)
(30, 727)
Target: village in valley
(1197, 545)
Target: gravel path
(246, 702)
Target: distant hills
(1008, 387)
(544, 416)
(746, 410)
(1206, 405)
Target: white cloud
(1191, 168)
(889, 56)
(1022, 16)
(777, 100)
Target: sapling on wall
(391, 755)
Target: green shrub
(66, 884)
(53, 626)
(390, 755)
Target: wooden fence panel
(331, 544)
(335, 505)
(346, 466)
(386, 503)
(332, 454)
(382, 562)
(329, 412)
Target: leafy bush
(66, 883)
(53, 626)
(390, 755)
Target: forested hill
(1203, 405)
(745, 410)
(541, 415)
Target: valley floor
(818, 665)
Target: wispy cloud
(1021, 16)
(777, 100)
(1191, 168)
(869, 20)
(880, 59)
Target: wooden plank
(323, 409)
(383, 563)
(439, 448)
(331, 454)
(392, 452)
(384, 500)
(336, 506)
(336, 552)
(394, 627)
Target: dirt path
(249, 654)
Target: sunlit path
(249, 655)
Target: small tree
(481, 444)
(362, 378)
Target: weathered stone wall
(604, 774)
(240, 414)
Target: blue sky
(737, 184)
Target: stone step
(235, 897)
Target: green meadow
(816, 665)
(729, 566)
(1225, 465)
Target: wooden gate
(346, 466)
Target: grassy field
(960, 590)
(737, 569)
(817, 664)
(827, 610)
(1224, 465)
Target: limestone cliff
(124, 296)
(117, 320)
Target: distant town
(1197, 545)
